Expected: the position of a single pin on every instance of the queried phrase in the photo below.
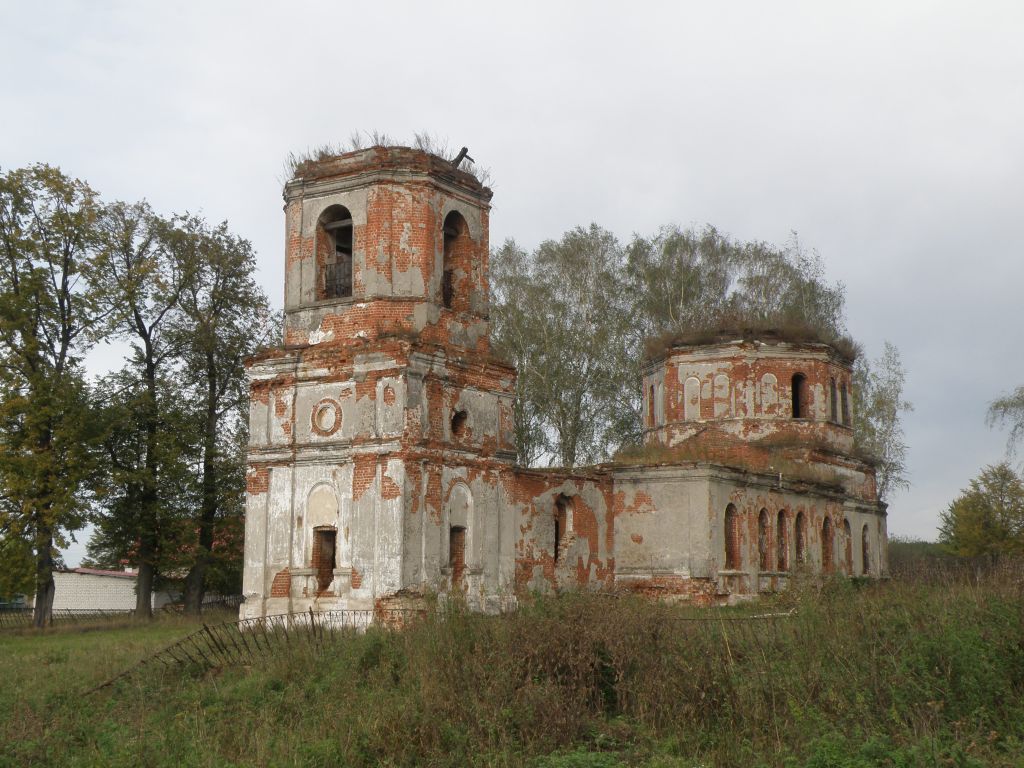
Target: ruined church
(381, 462)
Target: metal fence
(240, 643)
(22, 617)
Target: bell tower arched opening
(334, 242)
(455, 269)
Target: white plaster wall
(660, 529)
(90, 592)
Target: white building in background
(92, 589)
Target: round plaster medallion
(326, 417)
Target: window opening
(650, 405)
(457, 554)
(324, 541)
(848, 536)
(865, 566)
(732, 538)
(801, 539)
(455, 233)
(763, 536)
(799, 396)
(846, 404)
(459, 423)
(335, 252)
(826, 545)
(782, 542)
(834, 403)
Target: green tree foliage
(575, 316)
(687, 281)
(561, 317)
(223, 318)
(153, 452)
(175, 417)
(141, 277)
(47, 313)
(878, 431)
(987, 519)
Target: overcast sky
(890, 136)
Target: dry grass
(904, 673)
(730, 330)
(297, 162)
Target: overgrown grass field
(911, 672)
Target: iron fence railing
(236, 643)
(22, 617)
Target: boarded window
(733, 559)
(865, 560)
(334, 252)
(457, 555)
(324, 544)
(781, 543)
(801, 538)
(826, 546)
(764, 541)
(798, 392)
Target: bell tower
(383, 420)
(386, 241)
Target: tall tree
(987, 519)
(127, 457)
(47, 311)
(567, 332)
(224, 318)
(517, 327)
(575, 315)
(877, 417)
(141, 274)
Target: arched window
(848, 536)
(865, 560)
(733, 558)
(833, 401)
(801, 539)
(826, 545)
(455, 268)
(846, 404)
(459, 419)
(764, 542)
(463, 539)
(799, 394)
(334, 253)
(782, 543)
